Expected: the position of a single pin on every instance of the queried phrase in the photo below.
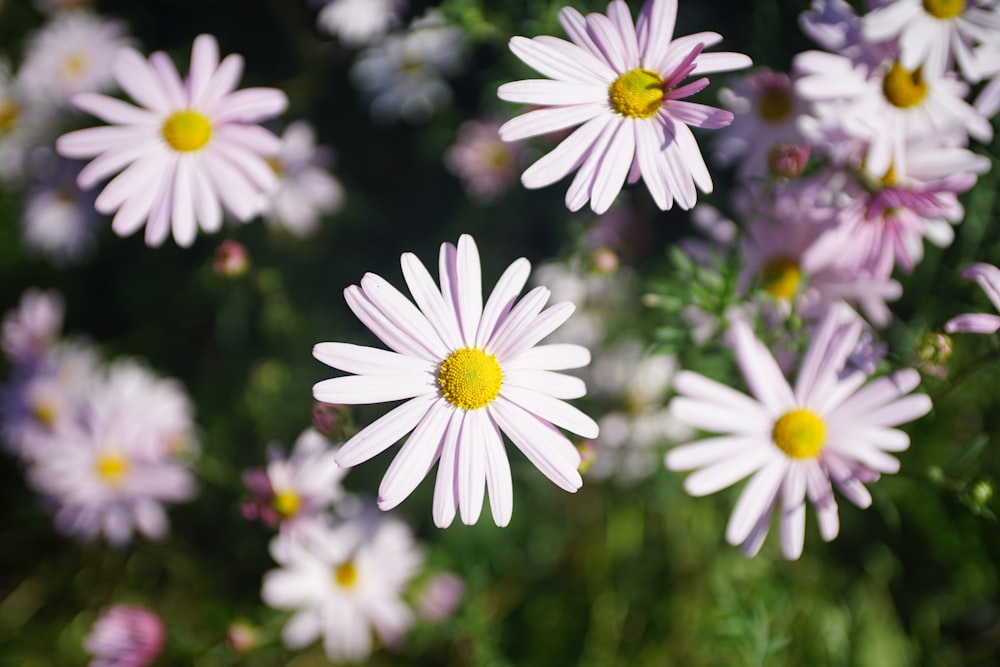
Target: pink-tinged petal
(445, 503)
(561, 60)
(676, 168)
(386, 330)
(114, 111)
(575, 25)
(988, 100)
(861, 452)
(469, 281)
(170, 80)
(143, 173)
(554, 357)
(502, 299)
(695, 163)
(254, 138)
(825, 359)
(757, 497)
(568, 155)
(614, 168)
(888, 439)
(498, 480)
(647, 153)
(988, 277)
(546, 92)
(687, 90)
(96, 140)
(137, 78)
(725, 473)
(821, 494)
(557, 385)
(710, 451)
(206, 203)
(363, 389)
(876, 394)
(904, 410)
(883, 23)
(655, 29)
(108, 163)
(758, 533)
(384, 431)
(255, 171)
(621, 17)
(238, 195)
(793, 510)
(760, 370)
(363, 360)
(183, 223)
(557, 412)
(401, 312)
(204, 61)
(609, 41)
(250, 105)
(519, 317)
(695, 385)
(158, 225)
(547, 449)
(428, 298)
(554, 119)
(223, 82)
(472, 467)
(416, 457)
(680, 49)
(981, 323)
(538, 328)
(582, 187)
(826, 76)
(304, 627)
(699, 115)
(720, 61)
(447, 275)
(718, 417)
(135, 210)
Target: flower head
(623, 81)
(468, 372)
(126, 636)
(192, 144)
(988, 277)
(830, 429)
(359, 22)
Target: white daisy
(359, 22)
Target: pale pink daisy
(348, 589)
(468, 372)
(58, 220)
(988, 277)
(193, 144)
(125, 635)
(33, 327)
(486, 165)
(935, 33)
(829, 430)
(623, 82)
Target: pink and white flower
(988, 277)
(192, 148)
(33, 328)
(126, 635)
(467, 371)
(486, 165)
(623, 82)
(830, 430)
(359, 22)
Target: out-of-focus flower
(55, 6)
(72, 54)
(348, 587)
(329, 419)
(231, 259)
(126, 635)
(58, 219)
(987, 102)
(294, 494)
(33, 328)
(934, 33)
(623, 82)
(486, 165)
(440, 596)
(830, 428)
(22, 128)
(192, 148)
(359, 22)
(468, 372)
(306, 190)
(988, 277)
(403, 74)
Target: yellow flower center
(45, 413)
(276, 166)
(904, 89)
(470, 378)
(75, 65)
(944, 9)
(187, 130)
(780, 277)
(112, 468)
(9, 114)
(799, 433)
(286, 503)
(346, 575)
(775, 104)
(637, 93)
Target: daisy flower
(988, 277)
(468, 371)
(125, 635)
(623, 82)
(58, 220)
(830, 429)
(72, 54)
(348, 587)
(22, 127)
(191, 145)
(359, 22)
(933, 33)
(486, 165)
(33, 327)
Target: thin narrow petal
(709, 451)
(384, 431)
(793, 511)
(364, 389)
(471, 481)
(363, 360)
(428, 298)
(547, 449)
(416, 457)
(553, 119)
(553, 357)
(502, 299)
(558, 385)
(755, 499)
(727, 472)
(445, 487)
(385, 329)
(552, 410)
(470, 288)
(498, 479)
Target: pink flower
(988, 277)
(125, 636)
(623, 82)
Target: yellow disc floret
(780, 277)
(112, 468)
(903, 88)
(286, 503)
(944, 9)
(9, 115)
(800, 433)
(637, 93)
(470, 378)
(346, 575)
(775, 104)
(187, 130)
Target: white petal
(384, 431)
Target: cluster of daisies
(104, 445)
